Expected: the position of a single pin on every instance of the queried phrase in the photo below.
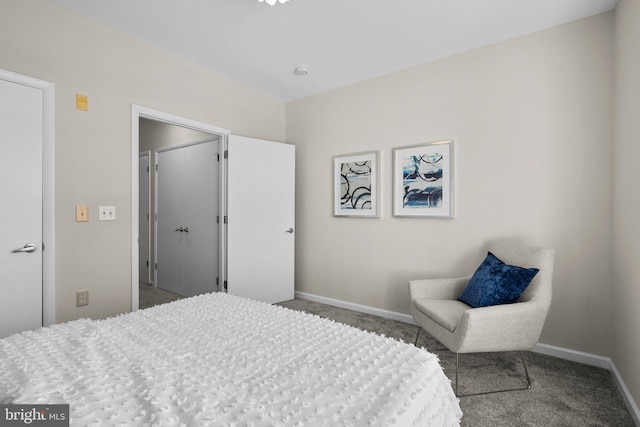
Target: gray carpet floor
(563, 393)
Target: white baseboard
(573, 355)
(357, 307)
(600, 362)
(549, 350)
(626, 395)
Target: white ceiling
(340, 41)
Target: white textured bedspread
(221, 360)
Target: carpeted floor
(563, 393)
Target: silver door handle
(289, 230)
(180, 229)
(28, 248)
(186, 229)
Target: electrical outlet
(107, 213)
(82, 298)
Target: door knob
(28, 248)
(186, 229)
(289, 230)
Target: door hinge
(156, 167)
(156, 265)
(226, 219)
(225, 285)
(147, 169)
(218, 155)
(218, 219)
(226, 154)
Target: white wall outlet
(107, 213)
(82, 298)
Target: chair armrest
(449, 288)
(506, 327)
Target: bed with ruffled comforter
(221, 360)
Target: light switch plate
(82, 213)
(107, 213)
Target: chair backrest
(529, 256)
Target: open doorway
(178, 236)
(191, 256)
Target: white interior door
(200, 217)
(170, 204)
(261, 219)
(21, 134)
(188, 206)
(144, 221)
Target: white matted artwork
(423, 180)
(356, 180)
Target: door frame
(48, 191)
(138, 112)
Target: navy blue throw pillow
(495, 282)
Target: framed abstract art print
(356, 184)
(423, 180)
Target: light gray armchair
(507, 327)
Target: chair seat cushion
(446, 313)
(495, 282)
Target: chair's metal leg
(432, 350)
(457, 370)
(526, 372)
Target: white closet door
(261, 219)
(200, 217)
(188, 205)
(21, 125)
(170, 202)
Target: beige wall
(626, 355)
(93, 149)
(531, 120)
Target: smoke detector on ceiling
(302, 70)
(272, 2)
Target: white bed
(221, 360)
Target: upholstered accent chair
(506, 327)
